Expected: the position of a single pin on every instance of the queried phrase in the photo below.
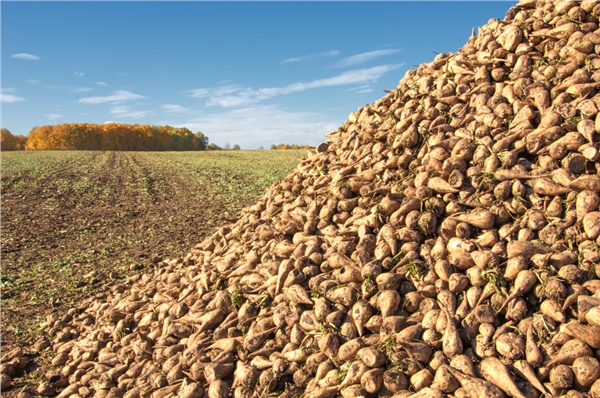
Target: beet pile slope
(443, 242)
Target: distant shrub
(213, 147)
(291, 146)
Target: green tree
(213, 147)
(201, 141)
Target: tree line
(114, 136)
(117, 137)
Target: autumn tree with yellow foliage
(114, 136)
(10, 142)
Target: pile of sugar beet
(444, 242)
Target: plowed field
(74, 223)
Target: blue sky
(247, 73)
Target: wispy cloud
(103, 84)
(124, 111)
(78, 74)
(33, 81)
(26, 57)
(361, 89)
(53, 116)
(81, 89)
(117, 96)
(70, 89)
(174, 108)
(331, 53)
(215, 92)
(234, 95)
(9, 98)
(363, 57)
(262, 125)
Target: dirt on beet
(75, 223)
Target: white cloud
(32, 81)
(174, 108)
(262, 125)
(78, 74)
(53, 116)
(116, 97)
(365, 89)
(363, 57)
(233, 95)
(212, 92)
(70, 89)
(332, 53)
(103, 84)
(81, 89)
(124, 111)
(9, 98)
(26, 57)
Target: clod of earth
(443, 242)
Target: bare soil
(74, 223)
